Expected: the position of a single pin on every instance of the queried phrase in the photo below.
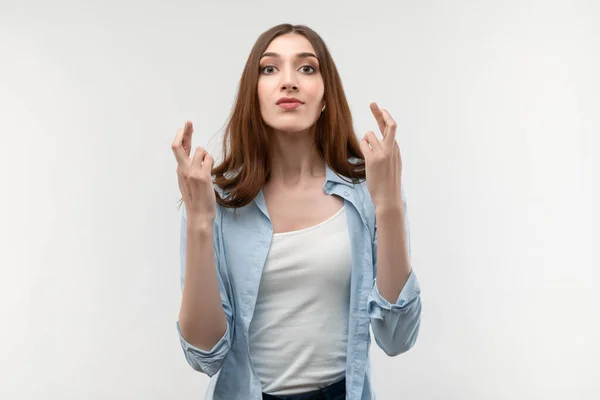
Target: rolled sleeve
(396, 326)
(207, 362)
(409, 294)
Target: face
(290, 69)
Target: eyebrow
(299, 55)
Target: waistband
(326, 393)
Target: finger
(378, 117)
(208, 162)
(198, 158)
(177, 148)
(372, 141)
(390, 126)
(364, 147)
(182, 144)
(188, 129)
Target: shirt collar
(331, 179)
(331, 176)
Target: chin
(290, 126)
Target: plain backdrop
(498, 111)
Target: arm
(205, 324)
(394, 304)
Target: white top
(299, 329)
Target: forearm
(201, 317)
(393, 261)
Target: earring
(323, 109)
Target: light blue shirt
(241, 245)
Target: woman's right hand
(194, 176)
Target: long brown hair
(246, 163)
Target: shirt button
(346, 194)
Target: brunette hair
(246, 164)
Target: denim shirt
(241, 245)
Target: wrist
(200, 224)
(389, 208)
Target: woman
(282, 242)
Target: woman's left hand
(383, 162)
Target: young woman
(298, 242)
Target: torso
(295, 210)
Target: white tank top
(299, 331)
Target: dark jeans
(335, 391)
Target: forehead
(289, 44)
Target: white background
(498, 110)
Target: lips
(290, 106)
(288, 100)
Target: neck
(295, 161)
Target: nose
(289, 81)
(289, 86)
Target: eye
(270, 69)
(264, 69)
(311, 67)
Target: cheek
(316, 89)
(260, 92)
(263, 92)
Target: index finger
(378, 117)
(390, 125)
(182, 144)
